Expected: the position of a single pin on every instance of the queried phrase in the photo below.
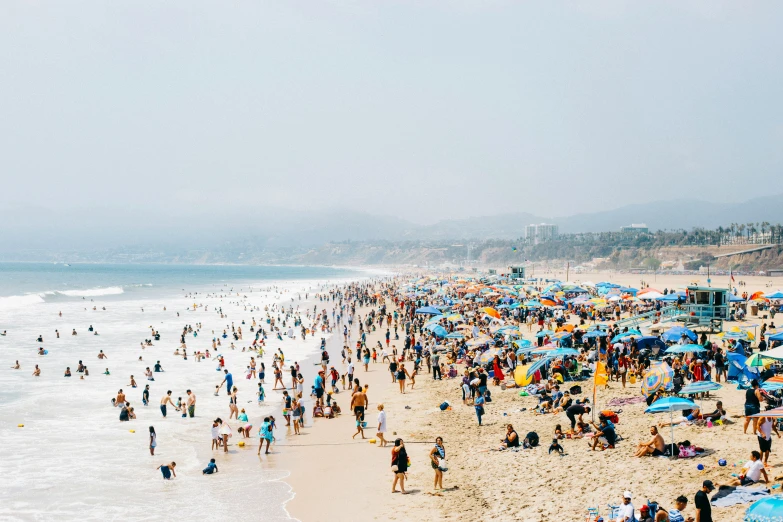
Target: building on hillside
(541, 233)
(635, 229)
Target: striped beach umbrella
(657, 377)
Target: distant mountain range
(171, 230)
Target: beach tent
(533, 368)
(776, 337)
(649, 342)
(774, 295)
(735, 299)
(671, 404)
(738, 370)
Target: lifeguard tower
(516, 272)
(706, 307)
(703, 308)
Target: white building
(635, 228)
(540, 233)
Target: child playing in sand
(555, 446)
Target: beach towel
(731, 495)
(624, 401)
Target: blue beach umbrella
(439, 331)
(768, 509)
(777, 337)
(675, 333)
(428, 310)
(455, 335)
(562, 352)
(774, 295)
(536, 365)
(522, 343)
(685, 348)
(544, 333)
(594, 333)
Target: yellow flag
(601, 377)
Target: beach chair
(593, 513)
(614, 512)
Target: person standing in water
(166, 400)
(168, 470)
(191, 404)
(153, 440)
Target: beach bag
(575, 390)
(443, 465)
(532, 439)
(444, 406)
(610, 416)
(633, 378)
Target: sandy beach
(336, 477)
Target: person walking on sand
(166, 399)
(402, 373)
(438, 457)
(381, 425)
(399, 465)
(191, 404)
(153, 440)
(358, 404)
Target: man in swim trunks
(166, 399)
(191, 404)
(655, 446)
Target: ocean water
(73, 458)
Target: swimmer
(67, 372)
(107, 373)
(132, 381)
(41, 351)
(102, 355)
(37, 371)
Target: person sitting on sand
(582, 428)
(605, 435)
(655, 446)
(559, 432)
(511, 440)
(751, 471)
(688, 417)
(718, 414)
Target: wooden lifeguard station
(705, 307)
(516, 272)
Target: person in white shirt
(766, 427)
(381, 425)
(626, 510)
(751, 471)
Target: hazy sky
(411, 108)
